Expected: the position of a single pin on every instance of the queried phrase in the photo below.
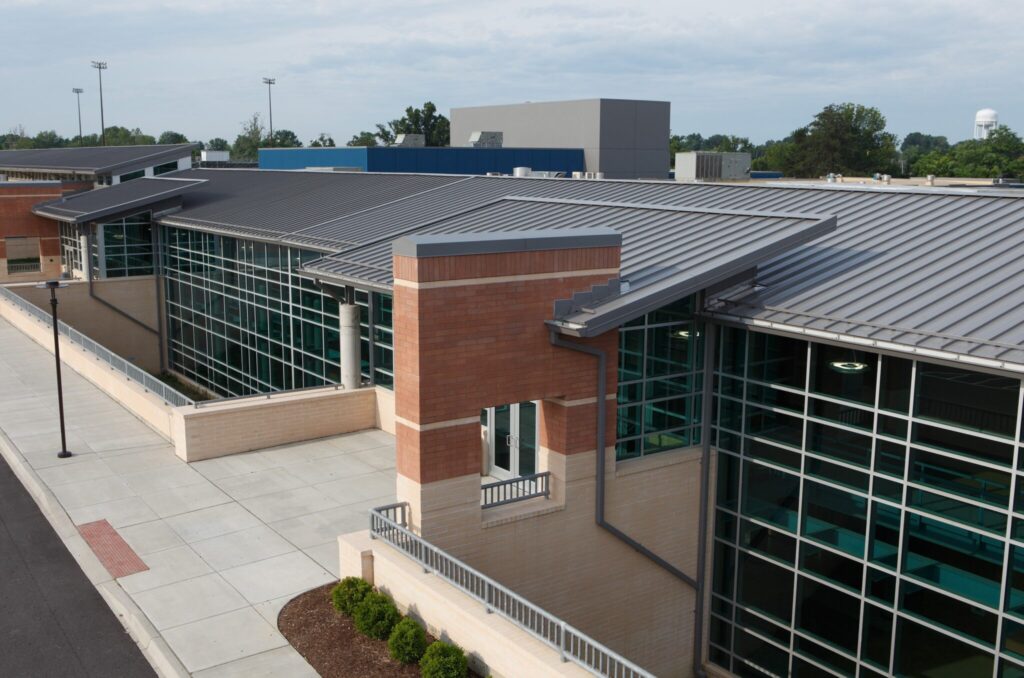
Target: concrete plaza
(227, 541)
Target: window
(165, 168)
(660, 379)
(844, 373)
(971, 400)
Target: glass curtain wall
(70, 247)
(660, 380)
(126, 247)
(868, 517)
(241, 321)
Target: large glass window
(877, 494)
(240, 321)
(660, 371)
(123, 247)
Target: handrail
(169, 395)
(265, 396)
(512, 490)
(390, 524)
(30, 267)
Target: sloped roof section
(667, 251)
(120, 199)
(93, 159)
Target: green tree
(916, 145)
(172, 138)
(122, 136)
(247, 144)
(843, 138)
(284, 138)
(48, 139)
(1000, 155)
(435, 127)
(218, 144)
(325, 140)
(363, 139)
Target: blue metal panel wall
(426, 160)
(299, 158)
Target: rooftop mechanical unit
(486, 139)
(410, 140)
(710, 166)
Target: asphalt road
(53, 622)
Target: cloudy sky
(756, 68)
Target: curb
(152, 645)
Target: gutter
(698, 583)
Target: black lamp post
(53, 285)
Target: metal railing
(266, 396)
(390, 523)
(118, 364)
(24, 267)
(512, 490)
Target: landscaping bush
(407, 641)
(444, 660)
(376, 616)
(349, 592)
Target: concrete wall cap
(455, 244)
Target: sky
(753, 68)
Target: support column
(350, 347)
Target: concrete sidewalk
(227, 541)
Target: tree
(122, 136)
(48, 139)
(323, 141)
(917, 145)
(843, 138)
(172, 138)
(1000, 155)
(434, 127)
(218, 144)
(247, 144)
(284, 138)
(363, 139)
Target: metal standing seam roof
(93, 159)
(938, 270)
(275, 204)
(132, 195)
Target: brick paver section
(113, 551)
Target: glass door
(511, 434)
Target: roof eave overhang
(624, 308)
(339, 280)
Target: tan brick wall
(220, 429)
(135, 296)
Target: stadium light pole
(101, 66)
(53, 286)
(78, 95)
(270, 106)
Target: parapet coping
(458, 244)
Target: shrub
(407, 641)
(375, 616)
(349, 592)
(444, 660)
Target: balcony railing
(23, 267)
(390, 523)
(515, 489)
(131, 372)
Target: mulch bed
(330, 642)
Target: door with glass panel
(510, 432)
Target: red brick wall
(460, 347)
(16, 218)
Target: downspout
(707, 410)
(602, 414)
(698, 584)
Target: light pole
(101, 66)
(78, 95)
(53, 286)
(270, 106)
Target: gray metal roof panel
(92, 159)
(132, 195)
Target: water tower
(985, 121)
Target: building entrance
(511, 435)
